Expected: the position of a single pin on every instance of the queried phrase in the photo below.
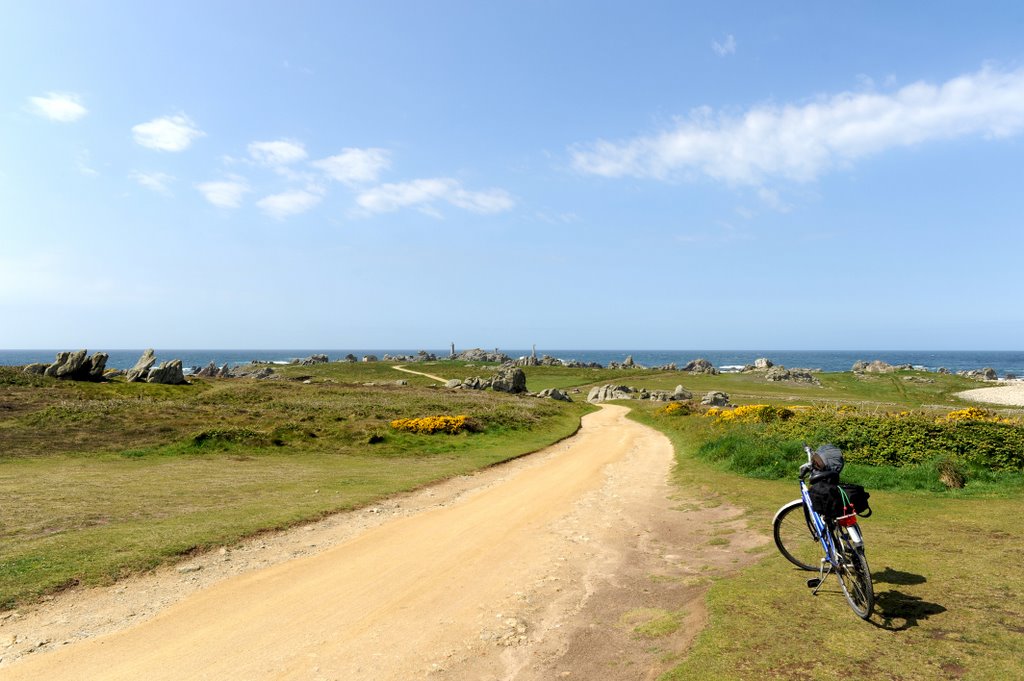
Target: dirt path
(420, 373)
(540, 569)
(1011, 395)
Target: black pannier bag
(858, 497)
(826, 499)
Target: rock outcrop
(140, 371)
(554, 394)
(76, 366)
(315, 359)
(509, 380)
(700, 366)
(716, 398)
(781, 373)
(986, 374)
(167, 373)
(478, 355)
(604, 393)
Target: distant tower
(453, 350)
(534, 353)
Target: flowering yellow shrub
(974, 414)
(431, 424)
(750, 413)
(675, 409)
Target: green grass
(101, 480)
(950, 600)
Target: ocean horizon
(1004, 362)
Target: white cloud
(289, 203)
(168, 133)
(726, 47)
(158, 182)
(224, 193)
(63, 107)
(82, 162)
(800, 142)
(355, 166)
(425, 193)
(277, 153)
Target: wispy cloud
(801, 142)
(168, 133)
(83, 163)
(289, 203)
(726, 47)
(424, 194)
(355, 166)
(277, 152)
(63, 107)
(224, 193)
(157, 181)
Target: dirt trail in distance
(420, 373)
(543, 568)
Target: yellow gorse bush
(750, 413)
(431, 424)
(676, 409)
(974, 414)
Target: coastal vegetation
(947, 604)
(101, 480)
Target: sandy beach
(1011, 394)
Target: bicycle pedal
(813, 583)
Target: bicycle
(828, 545)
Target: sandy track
(535, 574)
(420, 373)
(1011, 395)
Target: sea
(1004, 362)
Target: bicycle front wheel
(854, 574)
(795, 536)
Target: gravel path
(1010, 395)
(538, 569)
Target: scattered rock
(168, 373)
(682, 393)
(315, 359)
(509, 380)
(608, 392)
(77, 366)
(478, 355)
(401, 381)
(453, 383)
(628, 362)
(986, 374)
(140, 371)
(763, 363)
(349, 358)
(36, 368)
(781, 373)
(185, 569)
(370, 358)
(554, 394)
(716, 398)
(701, 366)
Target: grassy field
(101, 480)
(950, 601)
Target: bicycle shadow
(897, 610)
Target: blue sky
(575, 175)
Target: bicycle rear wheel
(795, 536)
(854, 574)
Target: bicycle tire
(854, 575)
(795, 536)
